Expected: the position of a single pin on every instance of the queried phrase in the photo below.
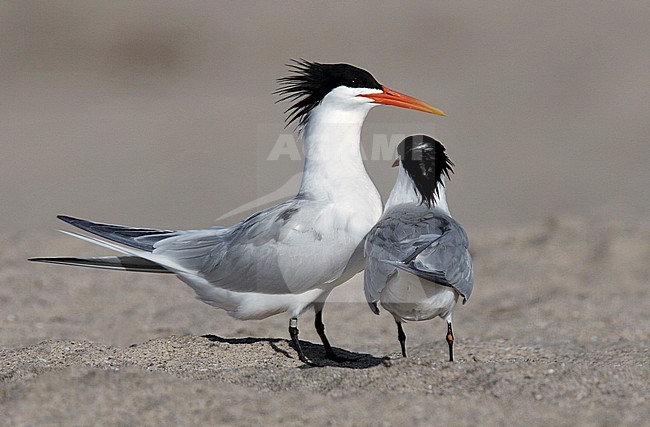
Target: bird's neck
(404, 191)
(333, 162)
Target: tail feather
(135, 244)
(124, 263)
(161, 260)
(139, 238)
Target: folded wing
(427, 243)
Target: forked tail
(124, 263)
(138, 259)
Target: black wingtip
(374, 307)
(47, 260)
(68, 219)
(84, 224)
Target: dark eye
(354, 82)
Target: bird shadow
(315, 352)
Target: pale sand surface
(557, 333)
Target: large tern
(290, 256)
(417, 261)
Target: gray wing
(426, 243)
(446, 261)
(398, 235)
(264, 253)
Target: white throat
(404, 192)
(333, 162)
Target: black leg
(401, 336)
(320, 328)
(450, 341)
(293, 332)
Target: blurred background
(162, 113)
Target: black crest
(426, 162)
(311, 81)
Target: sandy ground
(557, 333)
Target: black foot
(320, 328)
(401, 336)
(293, 332)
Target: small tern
(288, 257)
(417, 262)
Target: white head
(339, 87)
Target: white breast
(408, 297)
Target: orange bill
(396, 99)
